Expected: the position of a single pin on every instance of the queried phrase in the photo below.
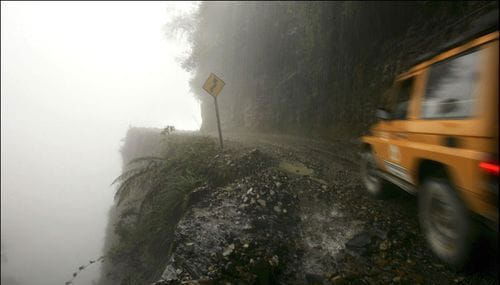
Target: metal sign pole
(218, 121)
(213, 85)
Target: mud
(304, 218)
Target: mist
(74, 77)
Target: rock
(396, 279)
(380, 233)
(170, 273)
(360, 240)
(274, 261)
(381, 262)
(249, 191)
(262, 202)
(437, 265)
(313, 278)
(198, 282)
(385, 245)
(339, 280)
(228, 250)
(277, 209)
(278, 184)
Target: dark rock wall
(313, 68)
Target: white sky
(74, 76)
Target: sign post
(214, 86)
(218, 122)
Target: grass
(145, 227)
(153, 194)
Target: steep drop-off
(269, 209)
(160, 174)
(302, 68)
(138, 142)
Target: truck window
(395, 100)
(450, 91)
(402, 99)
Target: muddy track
(335, 234)
(332, 160)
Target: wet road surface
(303, 217)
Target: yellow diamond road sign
(213, 85)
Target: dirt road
(301, 216)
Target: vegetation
(293, 67)
(155, 189)
(83, 267)
(311, 67)
(153, 194)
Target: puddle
(296, 168)
(325, 231)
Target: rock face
(226, 238)
(314, 68)
(138, 142)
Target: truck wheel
(374, 184)
(445, 222)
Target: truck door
(397, 161)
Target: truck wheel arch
(427, 167)
(366, 147)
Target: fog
(74, 77)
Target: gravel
(311, 225)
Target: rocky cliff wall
(316, 68)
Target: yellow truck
(437, 138)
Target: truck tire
(375, 185)
(445, 222)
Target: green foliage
(147, 172)
(83, 267)
(140, 230)
(145, 228)
(311, 67)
